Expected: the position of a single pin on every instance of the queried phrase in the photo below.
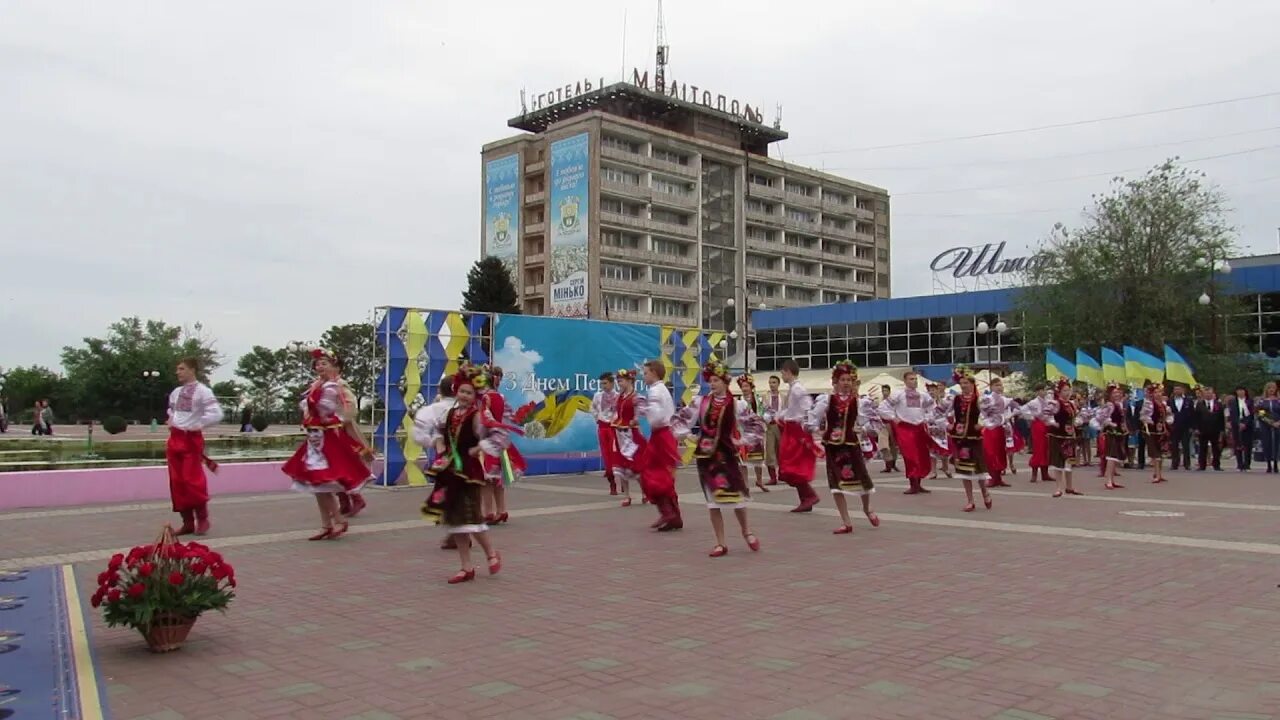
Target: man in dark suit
(1133, 419)
(1211, 424)
(1184, 426)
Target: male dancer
(909, 411)
(890, 452)
(192, 408)
(773, 433)
(661, 454)
(604, 407)
(797, 452)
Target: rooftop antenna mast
(660, 69)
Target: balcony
(614, 153)
(689, 171)
(794, 198)
(649, 257)
(833, 230)
(848, 259)
(761, 216)
(535, 258)
(756, 190)
(537, 228)
(535, 167)
(759, 273)
(813, 253)
(864, 214)
(625, 189)
(808, 281)
(630, 221)
(690, 230)
(805, 226)
(634, 287)
(535, 198)
(839, 207)
(773, 247)
(862, 237)
(539, 290)
(633, 316)
(684, 201)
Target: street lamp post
(746, 329)
(1206, 300)
(149, 377)
(986, 331)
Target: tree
(1133, 273)
(106, 374)
(355, 345)
(263, 369)
(23, 386)
(490, 289)
(226, 389)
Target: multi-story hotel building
(625, 203)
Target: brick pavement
(593, 616)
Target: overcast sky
(272, 168)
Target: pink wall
(61, 488)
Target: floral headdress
(1062, 383)
(626, 374)
(469, 374)
(746, 379)
(961, 372)
(319, 352)
(842, 368)
(716, 369)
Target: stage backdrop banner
(569, 198)
(551, 369)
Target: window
(754, 205)
(882, 280)
(622, 302)
(670, 247)
(617, 143)
(670, 277)
(861, 252)
(834, 224)
(670, 156)
(834, 197)
(796, 267)
(798, 189)
(802, 294)
(621, 272)
(834, 248)
(760, 289)
(864, 228)
(612, 174)
(801, 216)
(882, 254)
(534, 277)
(760, 262)
(666, 216)
(671, 187)
(801, 241)
(762, 180)
(835, 273)
(670, 308)
(619, 207)
(758, 233)
(613, 238)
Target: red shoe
(924, 490)
(874, 518)
(987, 501)
(502, 518)
(1074, 492)
(357, 504)
(322, 535)
(1057, 494)
(186, 529)
(970, 507)
(753, 542)
(490, 519)
(843, 530)
(463, 576)
(202, 527)
(1114, 486)
(495, 563)
(719, 551)
(339, 530)
(613, 487)
(626, 502)
(804, 506)
(912, 491)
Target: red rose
(103, 577)
(116, 561)
(232, 581)
(96, 600)
(176, 578)
(219, 572)
(113, 595)
(198, 568)
(136, 590)
(146, 568)
(214, 558)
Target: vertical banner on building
(502, 212)
(569, 220)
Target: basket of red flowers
(161, 589)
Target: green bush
(114, 424)
(260, 422)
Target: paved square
(1041, 608)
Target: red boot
(344, 503)
(913, 487)
(188, 522)
(613, 484)
(357, 504)
(202, 520)
(773, 475)
(808, 498)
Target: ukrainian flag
(1113, 367)
(1056, 366)
(1088, 370)
(1142, 366)
(1177, 369)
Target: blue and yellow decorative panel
(420, 348)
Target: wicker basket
(167, 632)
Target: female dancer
(628, 444)
(939, 445)
(1062, 419)
(998, 437)
(192, 408)
(467, 435)
(331, 459)
(723, 426)
(753, 455)
(1109, 420)
(1267, 409)
(1034, 411)
(661, 454)
(964, 424)
(507, 465)
(1156, 419)
(836, 417)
